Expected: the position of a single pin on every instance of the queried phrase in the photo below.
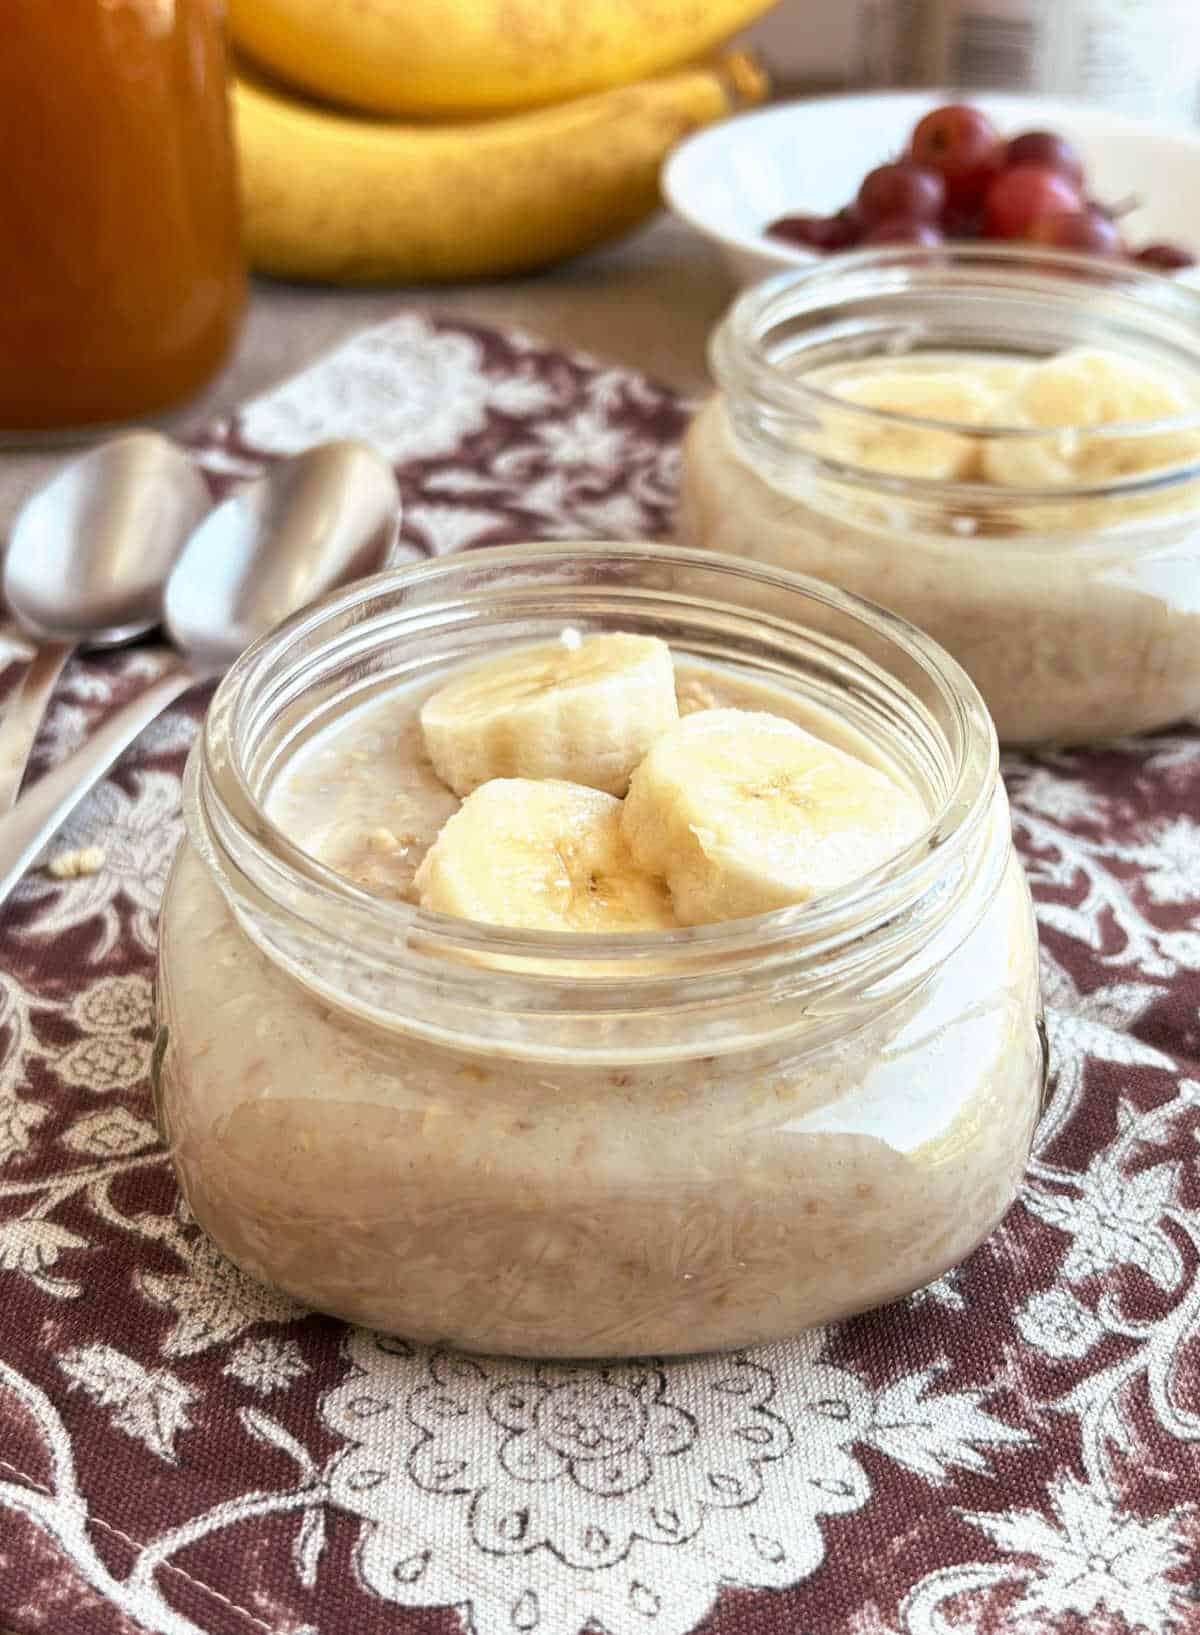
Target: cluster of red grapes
(961, 179)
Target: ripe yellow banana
(456, 58)
(338, 198)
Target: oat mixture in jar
(1001, 444)
(696, 1136)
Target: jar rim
(255, 861)
(742, 363)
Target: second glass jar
(1075, 609)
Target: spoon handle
(23, 716)
(37, 816)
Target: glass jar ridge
(557, 995)
(396, 1116)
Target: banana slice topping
(743, 812)
(1078, 392)
(541, 856)
(1082, 397)
(584, 712)
(911, 451)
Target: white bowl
(730, 180)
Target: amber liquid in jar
(122, 281)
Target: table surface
(1019, 1438)
(649, 303)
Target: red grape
(845, 228)
(960, 179)
(900, 189)
(1047, 150)
(1088, 232)
(962, 145)
(960, 221)
(902, 230)
(1165, 257)
(811, 232)
(1023, 195)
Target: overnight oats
(597, 950)
(1002, 445)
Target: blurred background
(1137, 57)
(313, 164)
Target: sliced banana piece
(1071, 393)
(584, 711)
(904, 450)
(1083, 387)
(744, 812)
(541, 856)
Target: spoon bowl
(89, 554)
(87, 559)
(313, 523)
(310, 525)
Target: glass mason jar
(122, 287)
(1074, 607)
(551, 1145)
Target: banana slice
(1087, 388)
(911, 451)
(745, 812)
(1070, 393)
(546, 856)
(585, 712)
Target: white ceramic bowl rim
(745, 164)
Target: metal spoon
(312, 523)
(88, 556)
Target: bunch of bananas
(458, 139)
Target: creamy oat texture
(1088, 629)
(535, 1207)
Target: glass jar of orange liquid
(122, 281)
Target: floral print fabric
(184, 1452)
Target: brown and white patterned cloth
(1015, 1448)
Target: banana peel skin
(340, 198)
(462, 59)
